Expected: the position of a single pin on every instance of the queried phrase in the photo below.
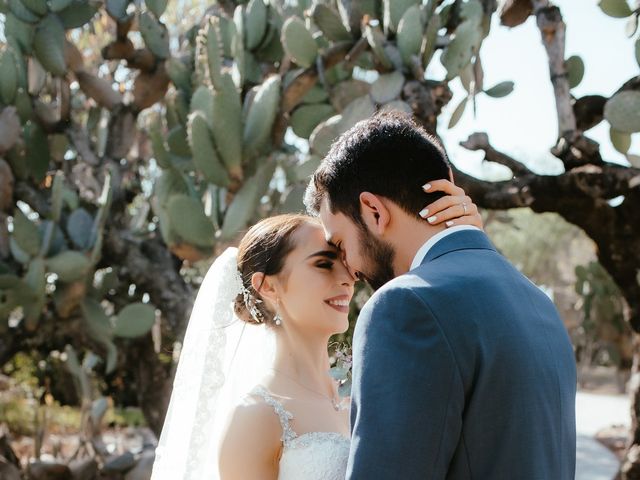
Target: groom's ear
(375, 214)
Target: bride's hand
(456, 208)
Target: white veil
(222, 359)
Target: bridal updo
(264, 249)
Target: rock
(48, 471)
(85, 469)
(142, 470)
(8, 471)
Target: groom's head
(368, 192)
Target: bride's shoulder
(254, 413)
(252, 425)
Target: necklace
(334, 403)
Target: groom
(462, 366)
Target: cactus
(214, 52)
(157, 6)
(260, 117)
(298, 42)
(227, 133)
(329, 22)
(462, 48)
(621, 141)
(69, 265)
(244, 204)
(79, 226)
(256, 22)
(48, 45)
(393, 12)
(622, 111)
(205, 157)
(25, 234)
(189, 221)
(575, 70)
(77, 14)
(239, 84)
(410, 34)
(615, 8)
(8, 76)
(387, 87)
(376, 40)
(134, 320)
(500, 90)
(155, 35)
(306, 117)
(22, 12)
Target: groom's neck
(409, 236)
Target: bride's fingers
(471, 219)
(452, 212)
(446, 202)
(444, 186)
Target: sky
(524, 124)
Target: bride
(252, 396)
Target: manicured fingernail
(449, 223)
(424, 212)
(426, 187)
(431, 219)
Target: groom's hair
(389, 155)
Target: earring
(277, 319)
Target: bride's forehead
(310, 236)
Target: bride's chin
(342, 327)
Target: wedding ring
(464, 207)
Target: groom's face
(365, 256)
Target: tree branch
(553, 28)
(480, 141)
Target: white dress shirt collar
(422, 253)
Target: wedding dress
(312, 455)
(221, 362)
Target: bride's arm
(250, 446)
(455, 208)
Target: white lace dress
(310, 456)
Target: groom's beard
(377, 256)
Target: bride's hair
(264, 249)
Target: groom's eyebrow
(324, 253)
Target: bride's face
(314, 287)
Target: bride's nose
(347, 279)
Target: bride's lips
(339, 303)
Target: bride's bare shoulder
(254, 415)
(250, 443)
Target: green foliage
(225, 93)
(575, 70)
(615, 8)
(48, 44)
(500, 90)
(622, 111)
(603, 323)
(155, 35)
(298, 42)
(134, 320)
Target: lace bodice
(313, 455)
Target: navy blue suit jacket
(462, 370)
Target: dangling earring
(277, 319)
